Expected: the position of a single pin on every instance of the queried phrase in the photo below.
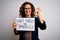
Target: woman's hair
(21, 10)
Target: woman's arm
(14, 27)
(41, 22)
(41, 25)
(16, 32)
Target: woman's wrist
(41, 19)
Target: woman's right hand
(14, 25)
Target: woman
(27, 10)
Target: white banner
(25, 24)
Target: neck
(28, 16)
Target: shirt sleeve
(16, 32)
(42, 26)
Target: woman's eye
(27, 8)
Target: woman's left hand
(37, 12)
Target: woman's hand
(37, 13)
(14, 25)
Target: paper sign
(25, 24)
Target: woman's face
(28, 10)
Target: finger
(14, 25)
(39, 9)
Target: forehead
(27, 6)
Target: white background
(9, 10)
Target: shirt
(31, 35)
